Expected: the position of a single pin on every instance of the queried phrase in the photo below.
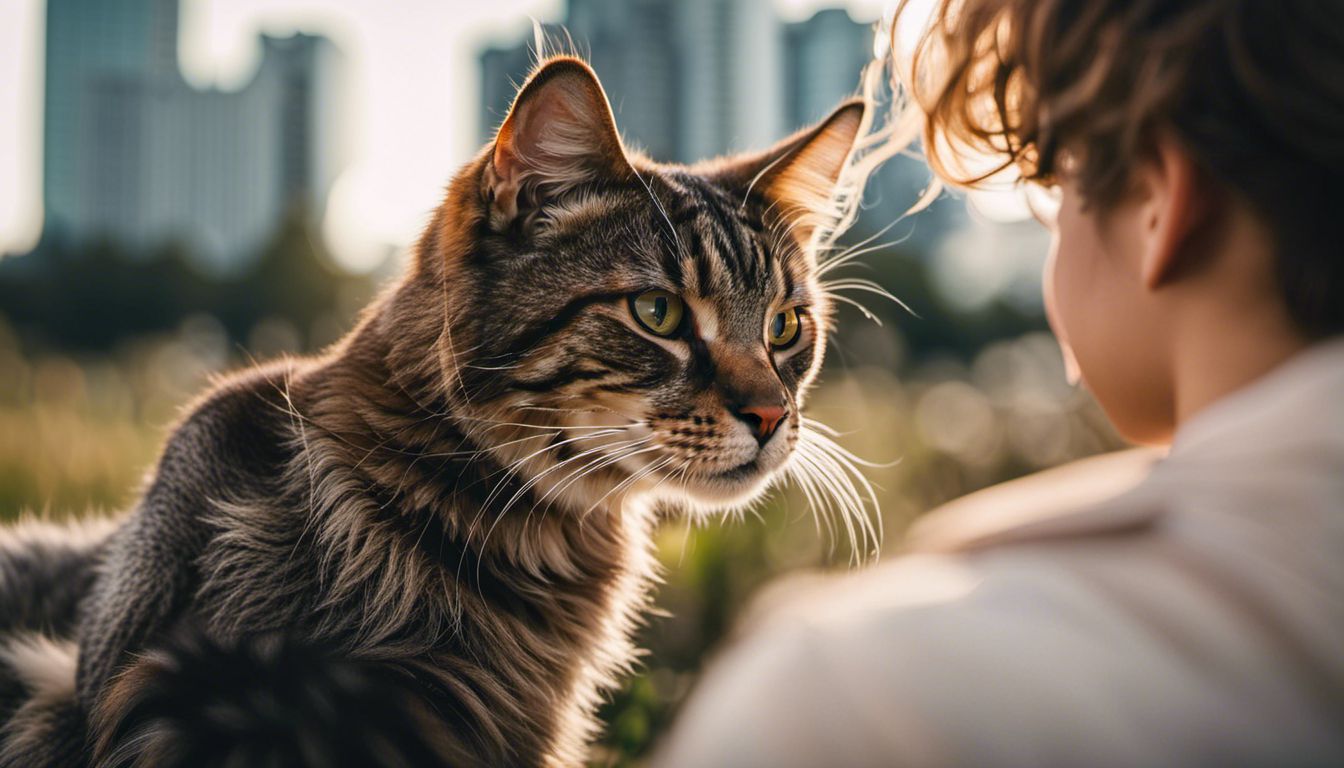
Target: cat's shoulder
(242, 423)
(240, 393)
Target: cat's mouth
(719, 473)
(727, 487)
(743, 471)
(736, 484)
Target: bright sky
(414, 106)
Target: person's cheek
(1049, 280)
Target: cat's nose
(762, 420)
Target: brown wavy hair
(1253, 89)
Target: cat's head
(612, 324)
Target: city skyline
(406, 143)
(697, 78)
(135, 155)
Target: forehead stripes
(701, 237)
(724, 237)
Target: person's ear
(559, 135)
(798, 176)
(1175, 206)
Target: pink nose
(763, 420)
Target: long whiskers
(833, 484)
(829, 263)
(623, 451)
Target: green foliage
(90, 296)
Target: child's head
(1197, 147)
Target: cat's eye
(660, 312)
(785, 327)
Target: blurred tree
(89, 296)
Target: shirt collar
(1299, 404)
(1300, 401)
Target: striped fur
(450, 510)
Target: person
(1129, 611)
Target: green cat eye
(659, 312)
(784, 328)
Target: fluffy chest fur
(392, 543)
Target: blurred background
(190, 185)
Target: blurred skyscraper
(823, 58)
(688, 79)
(691, 79)
(134, 154)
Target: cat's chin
(726, 489)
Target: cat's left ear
(559, 134)
(798, 177)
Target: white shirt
(1196, 618)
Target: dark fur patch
(264, 701)
(41, 586)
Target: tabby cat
(431, 543)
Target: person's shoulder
(1012, 541)
(812, 677)
(1091, 495)
(963, 605)
(1093, 592)
(909, 662)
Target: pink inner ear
(559, 134)
(525, 127)
(505, 163)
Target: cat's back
(234, 464)
(239, 431)
(231, 445)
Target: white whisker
(829, 477)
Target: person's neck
(1226, 351)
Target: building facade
(693, 79)
(687, 80)
(823, 58)
(135, 155)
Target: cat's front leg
(148, 570)
(144, 578)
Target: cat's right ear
(559, 135)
